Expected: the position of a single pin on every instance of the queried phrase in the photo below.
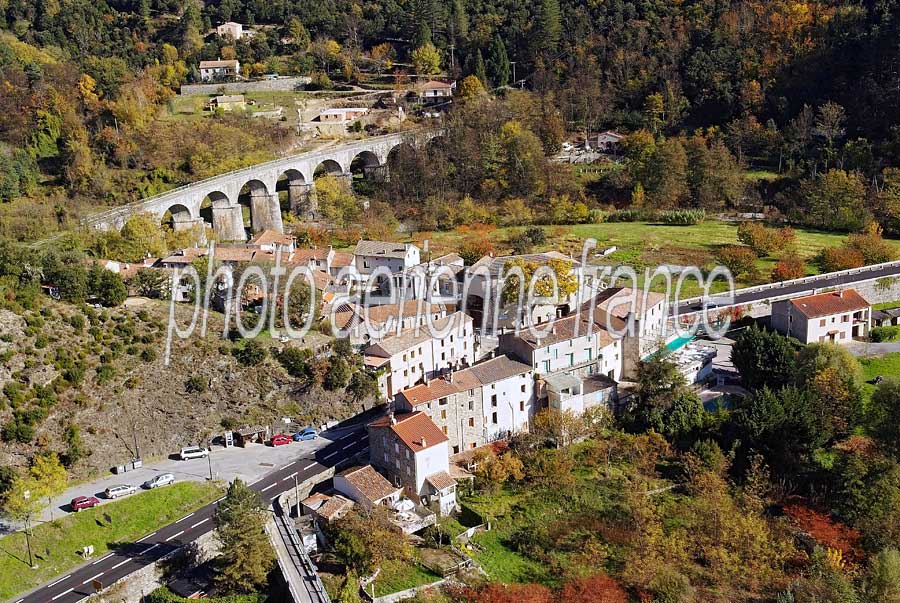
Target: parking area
(249, 464)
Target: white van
(193, 452)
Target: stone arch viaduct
(215, 201)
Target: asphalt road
(77, 585)
(823, 281)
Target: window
(471, 421)
(442, 402)
(445, 429)
(494, 400)
(845, 318)
(546, 366)
(471, 405)
(443, 356)
(822, 323)
(404, 357)
(444, 413)
(456, 450)
(522, 405)
(471, 392)
(523, 388)
(571, 359)
(472, 445)
(494, 418)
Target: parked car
(120, 490)
(307, 433)
(193, 452)
(163, 479)
(83, 502)
(279, 439)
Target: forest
(728, 105)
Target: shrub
(879, 334)
(196, 384)
(251, 354)
(834, 259)
(628, 215)
(789, 267)
(682, 217)
(148, 354)
(737, 258)
(105, 373)
(77, 322)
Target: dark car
(280, 440)
(84, 502)
(307, 433)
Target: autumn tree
(426, 59)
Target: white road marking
(199, 522)
(308, 466)
(349, 435)
(20, 600)
(92, 578)
(291, 476)
(65, 592)
(102, 559)
(120, 564)
(288, 465)
(148, 549)
(185, 517)
(146, 537)
(60, 580)
(350, 445)
(267, 487)
(331, 455)
(173, 536)
(218, 500)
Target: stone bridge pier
(222, 201)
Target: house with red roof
(414, 453)
(835, 316)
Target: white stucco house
(836, 316)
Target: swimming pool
(680, 342)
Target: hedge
(880, 334)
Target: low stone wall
(408, 593)
(875, 291)
(281, 84)
(147, 579)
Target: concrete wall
(875, 291)
(149, 578)
(284, 83)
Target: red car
(83, 502)
(280, 439)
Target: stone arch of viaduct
(215, 199)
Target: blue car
(307, 433)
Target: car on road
(119, 490)
(307, 433)
(279, 439)
(163, 479)
(83, 502)
(193, 452)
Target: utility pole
(296, 495)
(515, 81)
(31, 563)
(137, 451)
(209, 462)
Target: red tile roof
(833, 302)
(369, 482)
(415, 429)
(440, 481)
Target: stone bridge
(219, 201)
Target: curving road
(77, 585)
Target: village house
(433, 91)
(414, 355)
(492, 400)
(633, 317)
(369, 256)
(365, 325)
(575, 344)
(413, 452)
(233, 30)
(271, 240)
(340, 115)
(367, 488)
(325, 507)
(233, 102)
(836, 317)
(219, 70)
(608, 142)
(569, 393)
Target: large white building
(492, 400)
(836, 317)
(395, 257)
(219, 70)
(636, 318)
(574, 344)
(420, 353)
(413, 452)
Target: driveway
(868, 349)
(249, 464)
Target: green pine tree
(479, 70)
(549, 29)
(498, 64)
(247, 556)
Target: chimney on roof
(393, 418)
(553, 330)
(840, 293)
(423, 441)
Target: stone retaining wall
(875, 291)
(281, 84)
(135, 585)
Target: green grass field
(886, 366)
(644, 245)
(56, 544)
(396, 576)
